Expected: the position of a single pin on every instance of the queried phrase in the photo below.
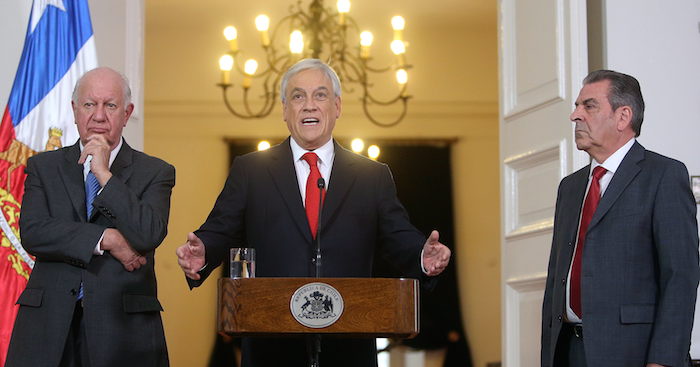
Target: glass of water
(242, 263)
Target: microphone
(321, 183)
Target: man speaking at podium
(271, 202)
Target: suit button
(559, 318)
(563, 281)
(73, 292)
(569, 244)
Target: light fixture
(263, 145)
(321, 33)
(357, 145)
(373, 152)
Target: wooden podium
(372, 307)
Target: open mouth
(309, 121)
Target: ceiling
(450, 13)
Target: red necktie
(589, 207)
(313, 192)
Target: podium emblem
(316, 305)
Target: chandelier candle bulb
(296, 42)
(402, 79)
(231, 35)
(251, 66)
(398, 47)
(343, 8)
(262, 23)
(398, 24)
(226, 64)
(366, 39)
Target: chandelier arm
(385, 124)
(246, 105)
(389, 102)
(230, 107)
(374, 69)
(356, 76)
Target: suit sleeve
(141, 217)
(48, 236)
(676, 242)
(401, 242)
(224, 226)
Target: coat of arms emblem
(316, 305)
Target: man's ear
(623, 117)
(128, 111)
(284, 111)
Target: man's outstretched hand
(190, 256)
(436, 256)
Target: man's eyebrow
(592, 101)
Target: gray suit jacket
(640, 264)
(121, 309)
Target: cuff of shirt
(98, 248)
(422, 267)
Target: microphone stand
(321, 186)
(315, 345)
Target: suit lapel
(343, 177)
(628, 169)
(121, 167)
(576, 196)
(72, 176)
(284, 175)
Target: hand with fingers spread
(190, 256)
(436, 256)
(114, 242)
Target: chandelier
(321, 33)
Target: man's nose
(310, 105)
(575, 115)
(99, 114)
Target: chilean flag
(58, 48)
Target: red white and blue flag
(58, 48)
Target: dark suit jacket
(640, 264)
(121, 311)
(261, 207)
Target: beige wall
(455, 87)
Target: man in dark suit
(91, 298)
(623, 269)
(262, 205)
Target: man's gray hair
(125, 85)
(624, 90)
(307, 64)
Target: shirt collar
(613, 162)
(324, 153)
